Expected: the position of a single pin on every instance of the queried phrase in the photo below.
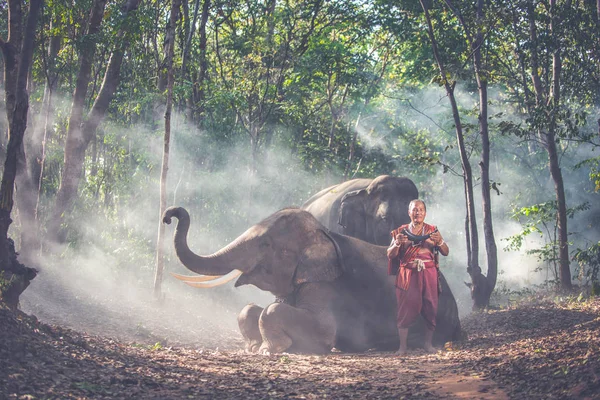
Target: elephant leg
(287, 328)
(248, 323)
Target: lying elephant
(332, 290)
(368, 209)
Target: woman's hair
(412, 203)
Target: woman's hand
(400, 239)
(437, 239)
(396, 245)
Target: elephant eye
(264, 244)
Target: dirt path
(535, 351)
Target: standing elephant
(368, 209)
(332, 290)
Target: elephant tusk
(195, 278)
(217, 281)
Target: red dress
(416, 282)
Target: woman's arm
(396, 247)
(441, 244)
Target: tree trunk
(190, 27)
(76, 140)
(46, 118)
(490, 242)
(199, 91)
(11, 270)
(478, 280)
(169, 54)
(81, 133)
(31, 160)
(203, 73)
(555, 172)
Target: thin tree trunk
(555, 172)
(549, 138)
(169, 54)
(482, 286)
(190, 27)
(200, 86)
(479, 285)
(488, 228)
(352, 148)
(47, 113)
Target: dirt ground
(535, 350)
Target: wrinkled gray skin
(332, 290)
(368, 209)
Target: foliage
(594, 165)
(540, 219)
(307, 94)
(588, 261)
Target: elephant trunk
(220, 263)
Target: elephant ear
(352, 217)
(321, 260)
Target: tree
(479, 285)
(81, 132)
(32, 156)
(552, 87)
(18, 53)
(169, 54)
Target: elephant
(331, 290)
(368, 209)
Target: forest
(115, 110)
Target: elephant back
(367, 209)
(325, 205)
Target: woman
(415, 264)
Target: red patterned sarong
(416, 284)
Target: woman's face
(417, 212)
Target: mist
(104, 284)
(428, 111)
(104, 281)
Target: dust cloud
(103, 283)
(519, 184)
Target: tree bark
(11, 270)
(549, 100)
(190, 30)
(200, 86)
(31, 160)
(478, 280)
(555, 172)
(77, 140)
(482, 291)
(81, 133)
(169, 54)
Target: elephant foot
(268, 348)
(264, 351)
(248, 323)
(252, 347)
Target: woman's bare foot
(430, 349)
(401, 352)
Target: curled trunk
(233, 256)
